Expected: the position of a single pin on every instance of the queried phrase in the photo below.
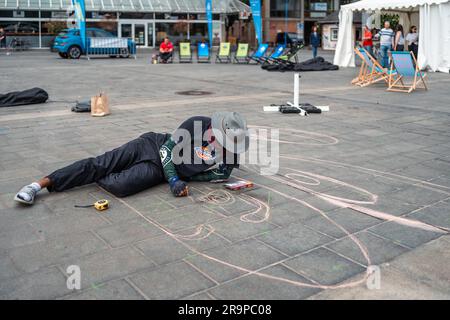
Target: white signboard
(109, 43)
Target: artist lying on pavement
(201, 149)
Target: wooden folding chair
(371, 71)
(405, 65)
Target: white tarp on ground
(434, 30)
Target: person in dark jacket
(314, 40)
(201, 149)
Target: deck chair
(373, 72)
(241, 55)
(288, 55)
(405, 66)
(185, 52)
(203, 53)
(224, 54)
(259, 53)
(277, 52)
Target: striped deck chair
(224, 54)
(185, 52)
(203, 55)
(288, 55)
(259, 53)
(373, 71)
(405, 65)
(241, 55)
(276, 53)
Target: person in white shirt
(386, 36)
(399, 40)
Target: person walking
(399, 40)
(412, 38)
(2, 38)
(367, 40)
(314, 40)
(386, 36)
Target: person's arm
(178, 187)
(396, 40)
(221, 173)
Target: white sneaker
(26, 195)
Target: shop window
(49, 30)
(175, 31)
(25, 31)
(198, 32)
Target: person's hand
(178, 187)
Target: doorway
(142, 32)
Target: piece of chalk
(271, 108)
(324, 108)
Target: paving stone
(114, 290)
(294, 239)
(108, 265)
(349, 219)
(19, 236)
(8, 269)
(324, 267)
(436, 215)
(45, 284)
(255, 287)
(418, 195)
(32, 257)
(172, 281)
(234, 229)
(128, 232)
(407, 236)
(379, 250)
(78, 221)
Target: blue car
(68, 44)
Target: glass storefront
(146, 29)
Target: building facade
(297, 17)
(37, 22)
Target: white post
(296, 89)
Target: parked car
(68, 44)
(296, 39)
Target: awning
(173, 6)
(396, 5)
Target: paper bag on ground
(100, 105)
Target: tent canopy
(396, 5)
(434, 30)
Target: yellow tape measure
(100, 205)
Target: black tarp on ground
(315, 64)
(17, 98)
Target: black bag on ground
(82, 106)
(315, 64)
(17, 98)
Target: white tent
(434, 29)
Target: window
(334, 34)
(278, 9)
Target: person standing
(2, 38)
(367, 40)
(412, 38)
(399, 40)
(314, 40)
(386, 36)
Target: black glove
(178, 187)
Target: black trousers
(165, 56)
(129, 169)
